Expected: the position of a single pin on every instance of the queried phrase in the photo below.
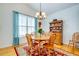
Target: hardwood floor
(9, 51)
(68, 49)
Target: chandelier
(40, 15)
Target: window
(22, 25)
(26, 25)
(31, 25)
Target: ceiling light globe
(43, 13)
(37, 14)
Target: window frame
(27, 26)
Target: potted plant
(40, 31)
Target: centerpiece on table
(40, 31)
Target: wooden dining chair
(31, 45)
(50, 45)
(29, 40)
(75, 40)
(74, 43)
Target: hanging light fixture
(40, 15)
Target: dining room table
(41, 40)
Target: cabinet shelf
(56, 27)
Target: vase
(40, 34)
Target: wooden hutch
(56, 27)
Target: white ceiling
(50, 8)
